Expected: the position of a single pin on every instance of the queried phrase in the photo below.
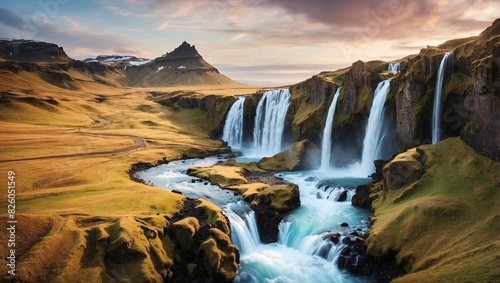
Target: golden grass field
(60, 197)
(71, 151)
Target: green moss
(302, 155)
(446, 221)
(281, 198)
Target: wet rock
(267, 223)
(362, 197)
(342, 196)
(310, 179)
(379, 165)
(335, 238)
(346, 241)
(344, 224)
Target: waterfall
(244, 232)
(270, 121)
(394, 68)
(436, 114)
(326, 144)
(374, 130)
(233, 127)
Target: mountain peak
(185, 50)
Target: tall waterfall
(374, 130)
(233, 127)
(394, 68)
(326, 144)
(270, 121)
(436, 114)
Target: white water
(270, 121)
(394, 68)
(233, 127)
(173, 176)
(436, 114)
(304, 252)
(326, 144)
(374, 130)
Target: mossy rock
(220, 257)
(281, 198)
(183, 232)
(136, 250)
(212, 214)
(302, 155)
(404, 169)
(221, 175)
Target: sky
(250, 41)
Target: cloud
(10, 19)
(79, 41)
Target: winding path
(139, 142)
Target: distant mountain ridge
(182, 67)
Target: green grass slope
(445, 226)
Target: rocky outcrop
(404, 169)
(483, 130)
(204, 251)
(31, 51)
(222, 175)
(430, 193)
(213, 107)
(302, 155)
(270, 202)
(308, 108)
(362, 197)
(193, 245)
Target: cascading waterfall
(394, 68)
(270, 121)
(305, 251)
(326, 144)
(436, 114)
(374, 130)
(244, 231)
(233, 127)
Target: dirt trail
(139, 142)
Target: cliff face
(212, 109)
(31, 51)
(470, 99)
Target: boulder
(404, 169)
(302, 155)
(281, 198)
(268, 221)
(362, 197)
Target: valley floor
(70, 152)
